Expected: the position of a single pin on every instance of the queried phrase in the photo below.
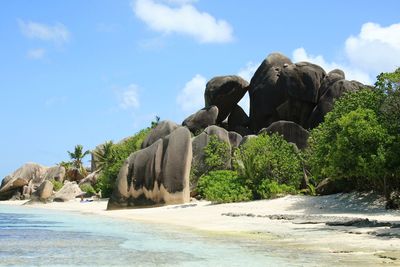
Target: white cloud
(183, 19)
(351, 72)
(129, 97)
(191, 97)
(56, 33)
(248, 71)
(37, 53)
(374, 50)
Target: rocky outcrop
(238, 120)
(68, 192)
(265, 95)
(163, 129)
(301, 92)
(291, 132)
(200, 120)
(26, 180)
(200, 142)
(45, 190)
(90, 179)
(225, 92)
(158, 174)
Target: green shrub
(217, 154)
(271, 189)
(324, 136)
(356, 151)
(269, 158)
(57, 185)
(223, 186)
(120, 152)
(88, 189)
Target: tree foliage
(114, 158)
(268, 159)
(359, 141)
(217, 154)
(77, 157)
(223, 186)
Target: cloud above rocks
(191, 97)
(129, 97)
(57, 33)
(181, 17)
(373, 50)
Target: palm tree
(77, 157)
(104, 155)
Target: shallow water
(37, 237)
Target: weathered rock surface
(163, 129)
(238, 119)
(45, 190)
(290, 131)
(200, 142)
(158, 174)
(265, 95)
(200, 120)
(90, 179)
(235, 139)
(69, 191)
(225, 92)
(27, 179)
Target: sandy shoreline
(306, 223)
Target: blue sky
(83, 72)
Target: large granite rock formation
(26, 180)
(68, 192)
(45, 190)
(200, 120)
(200, 142)
(291, 132)
(163, 129)
(265, 96)
(157, 174)
(225, 92)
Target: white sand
(307, 231)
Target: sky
(84, 72)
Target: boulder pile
(285, 98)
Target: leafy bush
(325, 135)
(267, 159)
(223, 186)
(57, 185)
(88, 189)
(115, 159)
(217, 154)
(271, 189)
(356, 151)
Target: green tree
(223, 186)
(324, 136)
(104, 155)
(114, 160)
(217, 154)
(268, 159)
(77, 157)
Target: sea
(39, 237)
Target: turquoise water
(36, 237)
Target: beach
(354, 228)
